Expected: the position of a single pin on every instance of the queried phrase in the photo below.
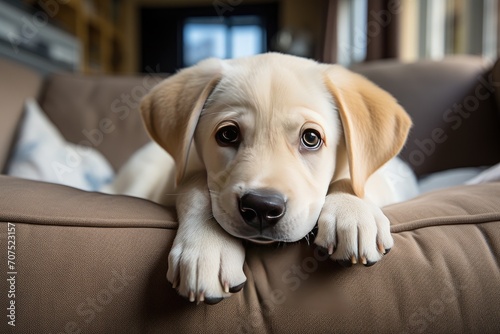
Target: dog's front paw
(206, 268)
(353, 230)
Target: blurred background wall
(133, 36)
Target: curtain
(383, 28)
(330, 43)
(382, 35)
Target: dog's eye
(228, 135)
(311, 139)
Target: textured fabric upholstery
(97, 263)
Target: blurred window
(226, 38)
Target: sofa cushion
(97, 263)
(99, 111)
(17, 82)
(452, 105)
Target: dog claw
(226, 287)
(381, 249)
(237, 288)
(354, 260)
(323, 250)
(201, 297)
(330, 249)
(369, 263)
(191, 296)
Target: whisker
(311, 236)
(307, 239)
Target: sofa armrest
(95, 263)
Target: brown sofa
(94, 263)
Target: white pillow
(41, 153)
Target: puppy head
(272, 132)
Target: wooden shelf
(93, 23)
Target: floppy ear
(171, 110)
(375, 125)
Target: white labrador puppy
(265, 148)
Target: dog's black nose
(262, 208)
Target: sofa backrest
(17, 82)
(99, 111)
(452, 104)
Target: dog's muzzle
(262, 208)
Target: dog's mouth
(261, 240)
